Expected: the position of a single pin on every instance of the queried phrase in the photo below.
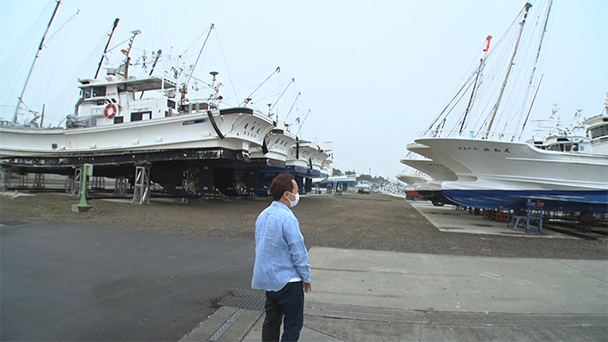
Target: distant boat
(430, 188)
(306, 156)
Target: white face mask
(295, 202)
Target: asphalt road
(83, 283)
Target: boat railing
(482, 135)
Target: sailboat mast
(504, 83)
(34, 62)
(105, 50)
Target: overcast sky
(373, 73)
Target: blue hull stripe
(569, 201)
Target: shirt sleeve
(297, 248)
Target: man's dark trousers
(288, 302)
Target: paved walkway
(363, 295)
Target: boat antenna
(504, 83)
(248, 98)
(479, 69)
(34, 62)
(199, 54)
(293, 80)
(158, 53)
(127, 52)
(105, 50)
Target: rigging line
(200, 52)
(495, 109)
(217, 36)
(35, 58)
(72, 17)
(540, 43)
(196, 40)
(119, 44)
(293, 80)
(277, 70)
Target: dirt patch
(373, 222)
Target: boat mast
(34, 62)
(199, 55)
(158, 53)
(479, 69)
(504, 83)
(248, 98)
(127, 52)
(540, 44)
(292, 105)
(293, 80)
(105, 50)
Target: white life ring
(110, 111)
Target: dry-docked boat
(121, 121)
(305, 155)
(275, 148)
(510, 173)
(431, 188)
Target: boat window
(119, 119)
(138, 116)
(171, 104)
(598, 132)
(99, 91)
(575, 147)
(87, 93)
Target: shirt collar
(279, 204)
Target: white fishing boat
(113, 119)
(510, 173)
(121, 121)
(306, 155)
(494, 170)
(431, 188)
(275, 149)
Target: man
(281, 262)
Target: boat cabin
(116, 100)
(597, 133)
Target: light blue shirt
(280, 253)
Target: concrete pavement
(363, 295)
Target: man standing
(281, 262)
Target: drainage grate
(245, 300)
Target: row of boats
(191, 146)
(566, 171)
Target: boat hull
(236, 129)
(567, 201)
(509, 173)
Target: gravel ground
(373, 222)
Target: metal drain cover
(245, 300)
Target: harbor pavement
(361, 295)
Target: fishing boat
(430, 189)
(495, 170)
(121, 121)
(306, 156)
(275, 148)
(511, 173)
